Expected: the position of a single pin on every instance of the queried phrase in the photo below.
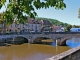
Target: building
(46, 26)
(54, 28)
(2, 24)
(31, 26)
(15, 27)
(34, 25)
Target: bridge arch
(21, 39)
(41, 39)
(63, 42)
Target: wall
(34, 27)
(72, 54)
(15, 27)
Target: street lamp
(42, 28)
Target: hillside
(53, 21)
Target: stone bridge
(59, 37)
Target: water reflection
(53, 44)
(41, 51)
(74, 42)
(30, 51)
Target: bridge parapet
(54, 36)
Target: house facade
(34, 25)
(2, 25)
(58, 28)
(46, 26)
(30, 26)
(15, 27)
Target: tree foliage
(68, 27)
(56, 22)
(18, 7)
(53, 21)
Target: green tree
(75, 26)
(53, 21)
(18, 7)
(68, 27)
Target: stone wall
(72, 54)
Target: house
(54, 28)
(15, 27)
(31, 25)
(58, 28)
(2, 28)
(46, 25)
(2, 24)
(34, 25)
(39, 25)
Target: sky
(68, 15)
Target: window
(78, 29)
(26, 24)
(11, 25)
(16, 25)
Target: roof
(46, 22)
(33, 21)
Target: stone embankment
(72, 54)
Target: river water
(28, 51)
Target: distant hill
(53, 21)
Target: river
(28, 51)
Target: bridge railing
(40, 33)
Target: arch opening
(20, 40)
(43, 40)
(73, 42)
(64, 42)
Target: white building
(34, 25)
(15, 27)
(31, 26)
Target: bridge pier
(30, 40)
(58, 41)
(12, 41)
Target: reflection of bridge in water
(59, 37)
